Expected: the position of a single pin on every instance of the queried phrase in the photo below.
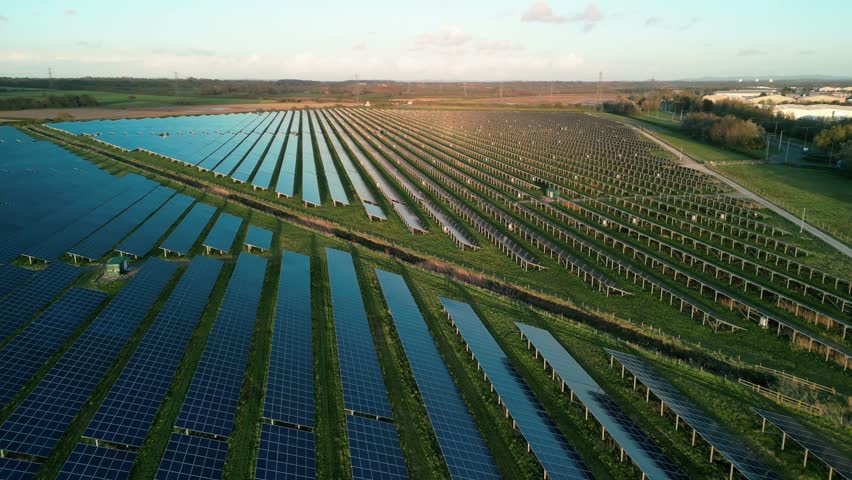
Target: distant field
(825, 195)
(110, 99)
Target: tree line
(49, 101)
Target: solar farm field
(357, 293)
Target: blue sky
(439, 40)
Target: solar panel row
(90, 462)
(332, 178)
(252, 138)
(310, 182)
(223, 153)
(285, 453)
(128, 411)
(259, 238)
(13, 469)
(11, 277)
(363, 386)
(650, 459)
(102, 241)
(183, 237)
(222, 235)
(20, 306)
(290, 378)
(263, 177)
(722, 441)
(461, 444)
(286, 184)
(546, 442)
(189, 457)
(140, 242)
(38, 423)
(22, 357)
(248, 165)
(211, 402)
(374, 449)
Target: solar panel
(332, 178)
(254, 140)
(263, 178)
(183, 237)
(290, 378)
(88, 462)
(349, 167)
(363, 386)
(211, 402)
(102, 241)
(728, 446)
(20, 306)
(11, 277)
(247, 166)
(812, 443)
(287, 176)
(653, 462)
(285, 453)
(189, 457)
(128, 411)
(38, 423)
(461, 444)
(257, 237)
(546, 442)
(22, 358)
(374, 449)
(133, 188)
(375, 211)
(13, 469)
(140, 242)
(310, 183)
(221, 236)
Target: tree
(831, 137)
(844, 158)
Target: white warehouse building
(819, 111)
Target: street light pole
(787, 155)
(780, 138)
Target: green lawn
(825, 195)
(112, 99)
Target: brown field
(564, 98)
(147, 112)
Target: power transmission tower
(501, 89)
(357, 93)
(177, 90)
(465, 89)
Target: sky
(460, 40)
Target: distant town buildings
(824, 102)
(815, 111)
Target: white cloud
(750, 52)
(541, 12)
(448, 37)
(360, 46)
(651, 21)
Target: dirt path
(743, 192)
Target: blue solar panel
(193, 458)
(22, 358)
(363, 387)
(128, 411)
(212, 399)
(221, 236)
(257, 237)
(252, 138)
(375, 211)
(726, 444)
(374, 449)
(462, 445)
(636, 444)
(11, 277)
(550, 447)
(223, 153)
(287, 176)
(310, 183)
(247, 166)
(102, 241)
(12, 469)
(38, 423)
(140, 242)
(349, 167)
(183, 237)
(88, 462)
(332, 178)
(20, 306)
(263, 178)
(53, 247)
(290, 379)
(285, 453)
